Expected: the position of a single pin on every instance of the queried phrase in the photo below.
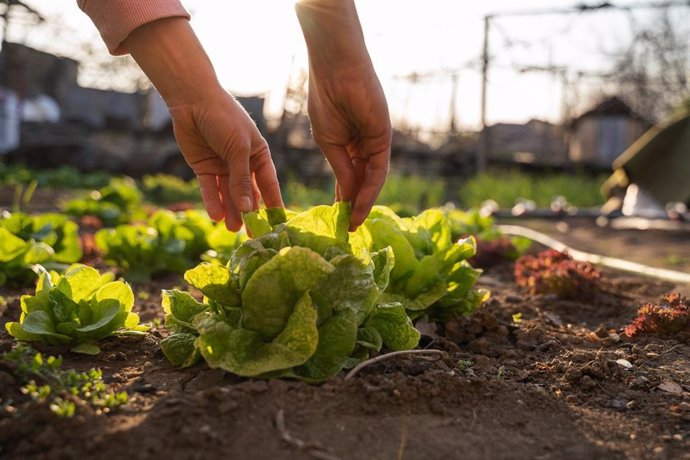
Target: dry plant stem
(605, 261)
(315, 451)
(439, 354)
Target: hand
(228, 154)
(350, 123)
(216, 136)
(347, 107)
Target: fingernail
(245, 204)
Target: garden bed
(525, 377)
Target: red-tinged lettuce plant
(493, 247)
(555, 272)
(670, 316)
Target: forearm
(332, 32)
(172, 57)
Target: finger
(255, 194)
(360, 166)
(344, 171)
(266, 178)
(240, 181)
(233, 219)
(210, 194)
(374, 178)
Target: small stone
(587, 382)
(601, 332)
(669, 386)
(227, 406)
(573, 374)
(571, 399)
(502, 331)
(618, 404)
(143, 387)
(631, 405)
(624, 363)
(553, 319)
(641, 383)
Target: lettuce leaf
(272, 292)
(245, 352)
(337, 340)
(394, 326)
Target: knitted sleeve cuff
(116, 19)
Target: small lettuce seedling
(670, 316)
(78, 309)
(62, 390)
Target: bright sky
(257, 44)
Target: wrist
(332, 33)
(171, 56)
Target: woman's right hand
(347, 107)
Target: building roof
(611, 106)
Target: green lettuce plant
(431, 275)
(305, 298)
(77, 308)
(165, 189)
(167, 242)
(299, 300)
(117, 203)
(25, 241)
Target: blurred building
(601, 134)
(538, 143)
(48, 120)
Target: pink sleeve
(116, 19)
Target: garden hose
(605, 261)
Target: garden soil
(526, 377)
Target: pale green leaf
(271, 293)
(215, 282)
(395, 327)
(244, 352)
